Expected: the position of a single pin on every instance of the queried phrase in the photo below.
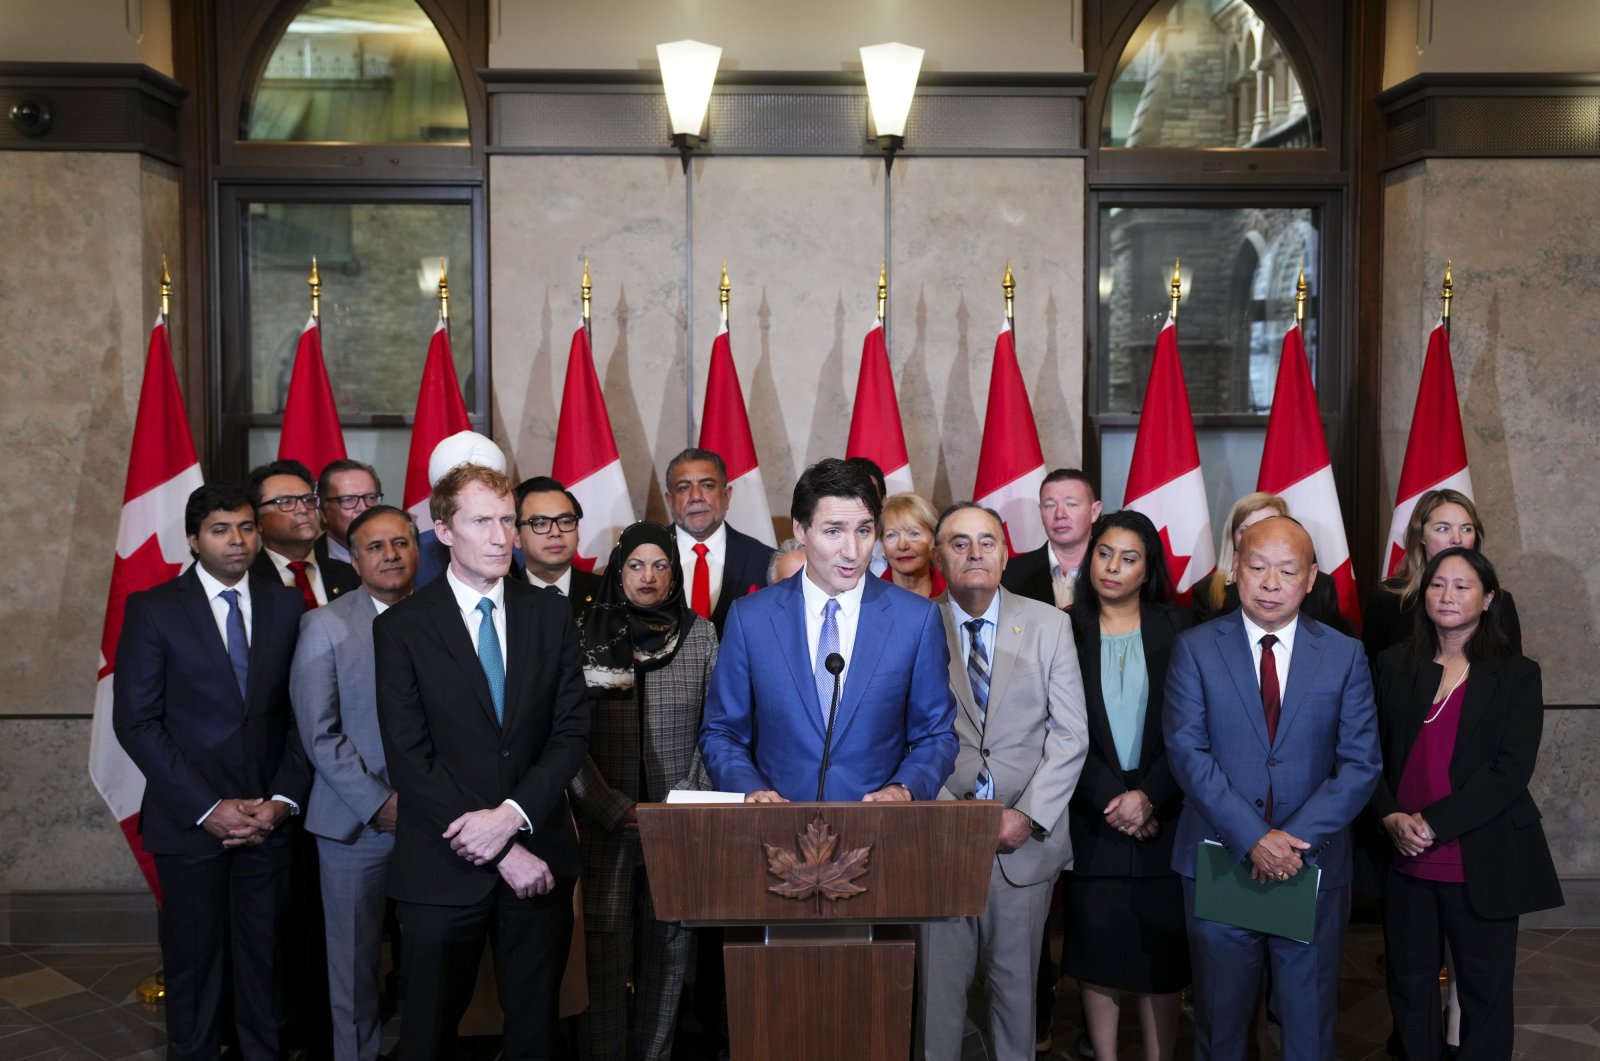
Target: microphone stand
(835, 665)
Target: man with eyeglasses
(290, 521)
(547, 527)
(346, 488)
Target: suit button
(1261, 803)
(984, 752)
(970, 795)
(1272, 762)
(505, 753)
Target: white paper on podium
(678, 795)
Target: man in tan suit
(1020, 720)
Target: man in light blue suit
(1272, 735)
(767, 711)
(353, 808)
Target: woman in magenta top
(1460, 714)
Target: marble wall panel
(1567, 787)
(1521, 236)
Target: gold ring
(1282, 875)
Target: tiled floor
(79, 1002)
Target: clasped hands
(1133, 814)
(244, 822)
(480, 835)
(1276, 856)
(1409, 832)
(893, 792)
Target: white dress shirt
(313, 573)
(467, 600)
(1064, 580)
(562, 585)
(847, 618)
(1282, 652)
(335, 550)
(716, 557)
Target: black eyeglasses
(566, 524)
(352, 502)
(287, 502)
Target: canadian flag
(440, 413)
(875, 429)
(725, 431)
(151, 548)
(1436, 449)
(1164, 480)
(311, 432)
(1010, 460)
(586, 460)
(1295, 465)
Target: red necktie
(302, 582)
(1271, 701)
(700, 591)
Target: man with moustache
(290, 522)
(1272, 734)
(484, 717)
(720, 563)
(1067, 508)
(353, 808)
(548, 517)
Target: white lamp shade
(891, 71)
(688, 70)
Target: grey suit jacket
(334, 690)
(1035, 734)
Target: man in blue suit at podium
(767, 716)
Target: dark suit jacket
(1099, 850)
(338, 577)
(1384, 622)
(1504, 857)
(178, 714)
(1028, 575)
(585, 586)
(447, 755)
(745, 569)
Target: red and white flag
(1164, 480)
(441, 412)
(151, 548)
(1436, 449)
(875, 429)
(725, 431)
(586, 461)
(1295, 465)
(1010, 460)
(311, 432)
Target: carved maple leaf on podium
(815, 870)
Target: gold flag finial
(1177, 288)
(315, 283)
(166, 289)
(724, 289)
(444, 291)
(1300, 297)
(1447, 292)
(883, 288)
(588, 288)
(1009, 286)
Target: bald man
(1272, 735)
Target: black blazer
(1322, 604)
(1097, 849)
(1504, 857)
(1028, 575)
(177, 712)
(1384, 623)
(446, 753)
(338, 577)
(583, 589)
(745, 569)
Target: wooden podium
(824, 965)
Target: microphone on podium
(835, 666)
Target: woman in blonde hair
(908, 522)
(1443, 519)
(1217, 596)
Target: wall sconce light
(688, 70)
(891, 71)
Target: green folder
(1224, 891)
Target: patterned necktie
(494, 667)
(302, 582)
(978, 675)
(700, 590)
(827, 645)
(1271, 701)
(238, 643)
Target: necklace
(1122, 649)
(1440, 705)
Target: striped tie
(978, 675)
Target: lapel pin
(1016, 629)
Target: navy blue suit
(764, 728)
(178, 714)
(743, 571)
(1320, 769)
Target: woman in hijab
(647, 660)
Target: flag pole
(1446, 293)
(315, 283)
(1176, 290)
(724, 290)
(587, 288)
(1009, 286)
(1300, 299)
(444, 296)
(883, 289)
(166, 290)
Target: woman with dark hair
(1460, 712)
(1124, 905)
(1443, 519)
(647, 659)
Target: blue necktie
(238, 644)
(827, 644)
(978, 675)
(494, 667)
